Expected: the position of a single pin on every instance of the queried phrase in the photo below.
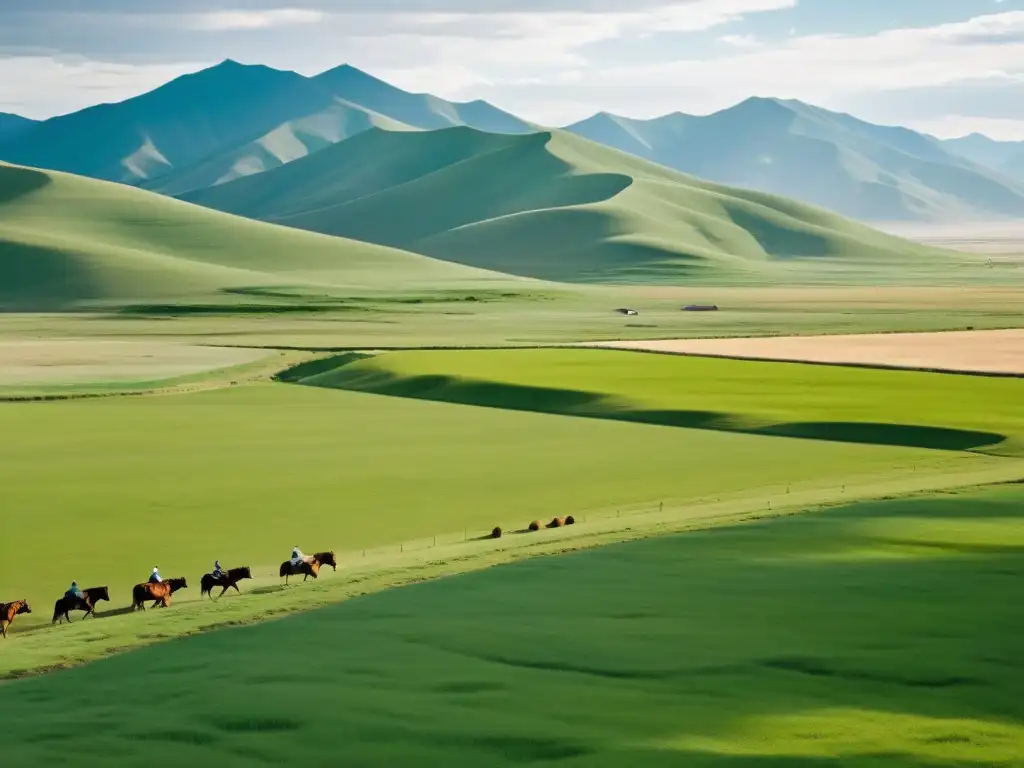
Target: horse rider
(75, 593)
(218, 572)
(154, 577)
(297, 557)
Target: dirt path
(989, 352)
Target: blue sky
(948, 67)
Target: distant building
(701, 308)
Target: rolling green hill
(555, 206)
(866, 171)
(65, 240)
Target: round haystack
(496, 533)
(570, 520)
(535, 525)
(557, 522)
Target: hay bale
(535, 525)
(556, 522)
(570, 520)
(496, 533)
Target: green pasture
(828, 403)
(881, 634)
(108, 488)
(521, 316)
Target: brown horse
(87, 603)
(308, 567)
(160, 593)
(227, 581)
(327, 558)
(9, 610)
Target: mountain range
(229, 120)
(555, 206)
(866, 171)
(1004, 156)
(12, 125)
(233, 120)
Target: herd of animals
(159, 591)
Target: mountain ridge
(831, 159)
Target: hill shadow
(326, 373)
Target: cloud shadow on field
(328, 373)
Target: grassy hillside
(66, 240)
(836, 161)
(555, 206)
(868, 635)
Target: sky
(946, 67)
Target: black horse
(87, 602)
(228, 580)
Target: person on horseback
(154, 577)
(297, 557)
(218, 572)
(74, 592)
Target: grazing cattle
(228, 580)
(556, 522)
(87, 603)
(327, 558)
(160, 593)
(309, 567)
(9, 610)
(496, 533)
(534, 526)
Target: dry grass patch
(963, 351)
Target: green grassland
(830, 403)
(570, 210)
(66, 242)
(242, 474)
(516, 317)
(867, 635)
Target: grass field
(867, 635)
(530, 317)
(880, 407)
(243, 474)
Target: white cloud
(740, 41)
(817, 68)
(41, 86)
(219, 21)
